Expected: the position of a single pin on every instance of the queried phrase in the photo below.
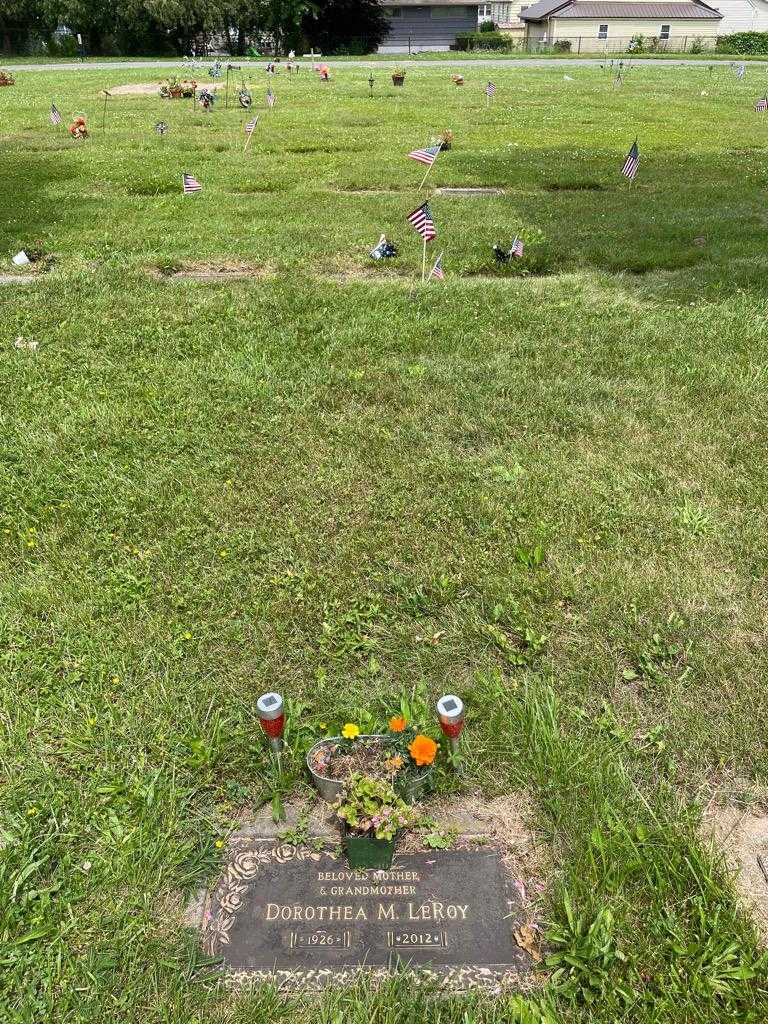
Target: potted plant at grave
(398, 76)
(174, 89)
(404, 757)
(457, 79)
(6, 78)
(372, 814)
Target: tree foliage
(179, 26)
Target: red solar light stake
(272, 718)
(450, 710)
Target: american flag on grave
(421, 221)
(55, 116)
(762, 105)
(490, 90)
(251, 126)
(190, 184)
(741, 71)
(631, 164)
(425, 156)
(271, 98)
(516, 249)
(161, 128)
(437, 270)
(384, 249)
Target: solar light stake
(272, 718)
(450, 710)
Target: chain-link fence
(595, 46)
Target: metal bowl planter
(414, 789)
(398, 79)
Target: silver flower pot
(414, 789)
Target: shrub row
(743, 42)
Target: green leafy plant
(372, 806)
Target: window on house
(448, 12)
(664, 34)
(484, 12)
(602, 32)
(394, 12)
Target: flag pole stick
(226, 98)
(421, 186)
(424, 259)
(104, 112)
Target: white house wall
(741, 15)
(623, 29)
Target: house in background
(426, 25)
(507, 16)
(604, 26)
(742, 16)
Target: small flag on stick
(762, 105)
(251, 126)
(437, 270)
(629, 170)
(190, 184)
(161, 128)
(516, 249)
(741, 70)
(425, 156)
(55, 115)
(421, 221)
(271, 98)
(490, 90)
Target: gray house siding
(427, 29)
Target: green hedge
(483, 41)
(743, 42)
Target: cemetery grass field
(542, 488)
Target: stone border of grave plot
(17, 278)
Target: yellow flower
(323, 726)
(219, 844)
(350, 731)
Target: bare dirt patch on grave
(741, 835)
(218, 271)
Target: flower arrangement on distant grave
(446, 139)
(6, 78)
(457, 79)
(398, 76)
(78, 129)
(175, 89)
(206, 99)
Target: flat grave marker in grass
(301, 915)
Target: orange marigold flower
(423, 750)
(397, 724)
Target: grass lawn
(213, 489)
